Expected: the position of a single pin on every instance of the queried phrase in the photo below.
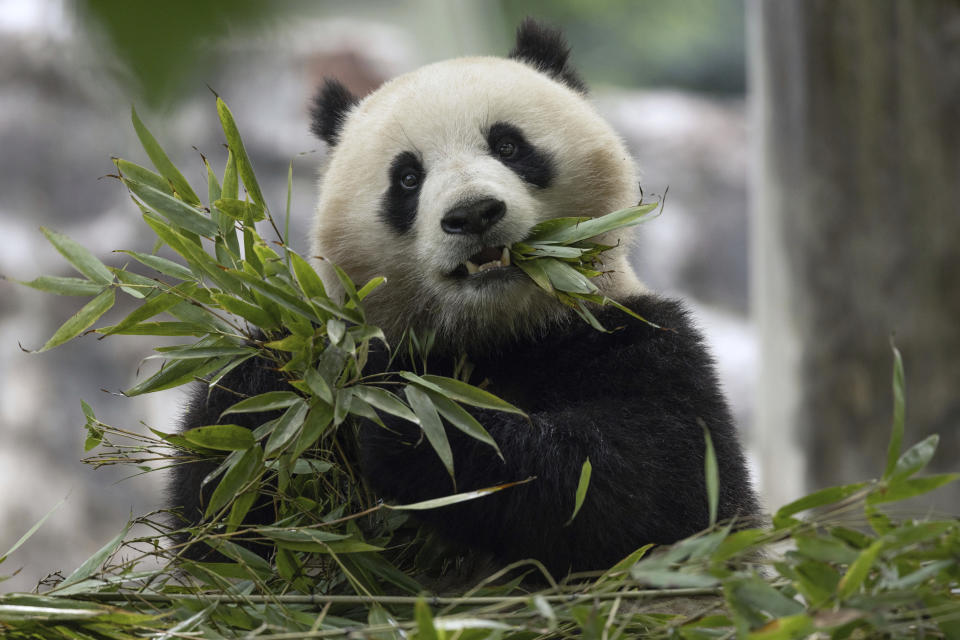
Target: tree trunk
(856, 233)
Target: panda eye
(507, 148)
(409, 179)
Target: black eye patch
(508, 144)
(399, 206)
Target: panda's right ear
(329, 110)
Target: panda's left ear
(546, 49)
(329, 110)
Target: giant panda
(428, 180)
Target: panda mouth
(484, 260)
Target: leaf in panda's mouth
(488, 258)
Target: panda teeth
(502, 261)
(471, 268)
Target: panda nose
(474, 217)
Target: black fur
(330, 106)
(399, 205)
(546, 50)
(631, 401)
(530, 163)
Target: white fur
(441, 113)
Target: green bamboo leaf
(221, 437)
(141, 174)
(432, 426)
(858, 571)
(79, 257)
(310, 283)
(152, 307)
(830, 495)
(91, 564)
(564, 277)
(177, 373)
(183, 215)
(462, 392)
(462, 420)
(164, 266)
(269, 401)
(240, 209)
(582, 486)
(242, 471)
(712, 475)
(370, 287)
(63, 286)
(235, 143)
(756, 594)
(135, 285)
(82, 320)
(286, 299)
(424, 619)
(252, 314)
(565, 233)
(162, 329)
(31, 531)
(910, 487)
(792, 627)
(288, 427)
(455, 498)
(915, 458)
(240, 508)
(899, 411)
(314, 426)
(160, 160)
(534, 269)
(385, 401)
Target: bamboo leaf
(915, 458)
(591, 227)
(164, 266)
(91, 564)
(712, 475)
(899, 411)
(564, 277)
(160, 160)
(240, 209)
(910, 487)
(82, 320)
(432, 426)
(820, 498)
(269, 401)
(858, 571)
(63, 286)
(582, 486)
(385, 401)
(222, 437)
(462, 392)
(176, 211)
(239, 153)
(288, 426)
(80, 258)
(462, 420)
(241, 472)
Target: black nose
(473, 217)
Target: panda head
(433, 175)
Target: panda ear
(329, 110)
(545, 49)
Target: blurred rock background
(669, 75)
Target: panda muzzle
(488, 258)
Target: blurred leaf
(899, 411)
(821, 498)
(910, 488)
(240, 209)
(712, 475)
(857, 572)
(915, 458)
(582, 486)
(160, 160)
(31, 531)
(79, 257)
(64, 286)
(82, 320)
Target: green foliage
(345, 565)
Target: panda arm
(631, 401)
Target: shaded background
(671, 76)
